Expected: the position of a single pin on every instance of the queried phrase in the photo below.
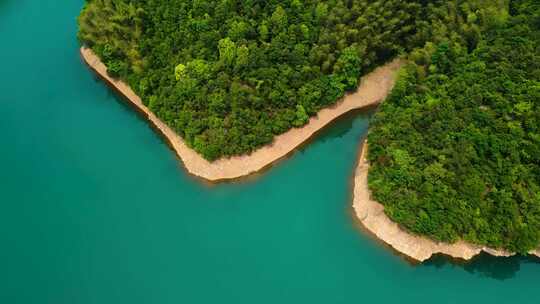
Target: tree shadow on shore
(485, 265)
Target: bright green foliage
(348, 66)
(180, 71)
(279, 19)
(227, 51)
(455, 149)
(230, 75)
(301, 116)
(112, 29)
(198, 69)
(242, 56)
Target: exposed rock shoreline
(373, 89)
(371, 215)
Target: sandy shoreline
(371, 215)
(372, 90)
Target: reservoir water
(94, 207)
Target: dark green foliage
(266, 64)
(455, 150)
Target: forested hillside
(455, 150)
(228, 75)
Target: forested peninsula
(454, 151)
(229, 75)
(374, 88)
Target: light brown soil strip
(373, 89)
(371, 215)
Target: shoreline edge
(371, 214)
(372, 90)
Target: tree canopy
(229, 75)
(455, 149)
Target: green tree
(227, 51)
(279, 19)
(301, 116)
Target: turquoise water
(96, 209)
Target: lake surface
(95, 208)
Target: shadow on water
(485, 265)
(344, 124)
(337, 128)
(4, 4)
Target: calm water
(96, 209)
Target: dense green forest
(229, 75)
(455, 149)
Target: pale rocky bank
(371, 215)
(372, 90)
